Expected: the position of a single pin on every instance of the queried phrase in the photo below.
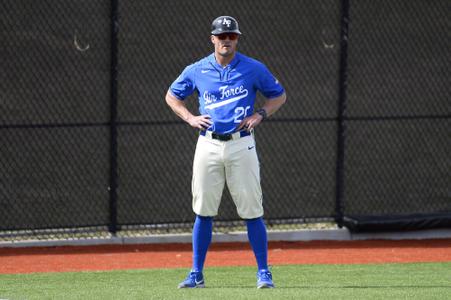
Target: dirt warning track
(119, 257)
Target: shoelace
(265, 275)
(192, 276)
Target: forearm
(178, 107)
(270, 107)
(273, 105)
(201, 122)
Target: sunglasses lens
(231, 36)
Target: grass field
(378, 281)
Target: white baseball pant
(235, 162)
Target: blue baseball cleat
(194, 280)
(264, 279)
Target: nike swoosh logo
(231, 100)
(250, 147)
(198, 282)
(204, 71)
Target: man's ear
(212, 39)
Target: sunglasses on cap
(231, 36)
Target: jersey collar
(217, 66)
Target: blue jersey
(227, 94)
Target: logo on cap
(226, 22)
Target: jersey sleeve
(267, 84)
(184, 85)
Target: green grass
(382, 281)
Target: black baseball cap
(224, 24)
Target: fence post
(341, 114)
(113, 119)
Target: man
(226, 82)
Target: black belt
(225, 137)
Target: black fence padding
(386, 223)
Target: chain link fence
(54, 114)
(398, 145)
(90, 147)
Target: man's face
(225, 44)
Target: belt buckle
(222, 137)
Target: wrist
(188, 118)
(262, 112)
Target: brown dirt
(116, 257)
